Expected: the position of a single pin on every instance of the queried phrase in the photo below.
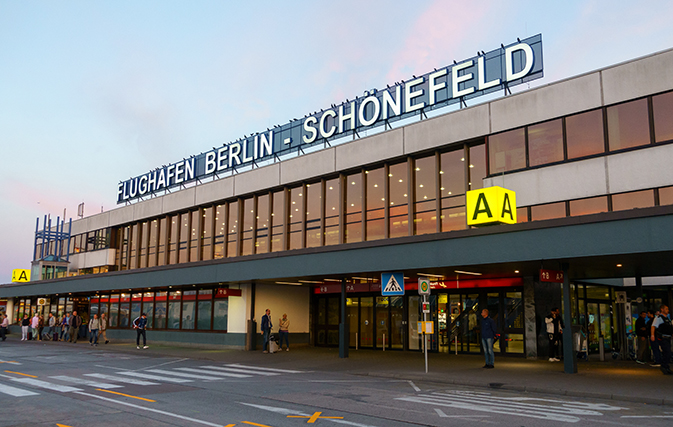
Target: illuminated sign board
(20, 275)
(492, 205)
(488, 72)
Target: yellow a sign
(20, 275)
(491, 205)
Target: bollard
(357, 341)
(455, 344)
(384, 342)
(601, 348)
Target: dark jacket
(488, 329)
(641, 327)
(76, 321)
(266, 323)
(25, 322)
(140, 322)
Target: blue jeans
(94, 336)
(284, 335)
(265, 336)
(487, 343)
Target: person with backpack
(94, 325)
(75, 323)
(140, 325)
(661, 332)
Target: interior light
(516, 271)
(619, 265)
(467, 272)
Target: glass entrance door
(599, 323)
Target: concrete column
(529, 321)
(343, 328)
(569, 355)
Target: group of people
(283, 331)
(65, 329)
(654, 331)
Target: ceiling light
(289, 283)
(516, 271)
(309, 281)
(467, 272)
(430, 275)
(619, 265)
(332, 280)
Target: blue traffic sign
(392, 284)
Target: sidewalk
(616, 380)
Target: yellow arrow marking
(251, 423)
(62, 425)
(126, 395)
(19, 373)
(312, 419)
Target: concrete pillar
(530, 324)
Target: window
(124, 310)
(584, 134)
(522, 215)
(399, 199)
(296, 217)
(220, 312)
(278, 218)
(136, 302)
(194, 235)
(628, 125)
(452, 189)
(262, 229)
(232, 230)
(548, 211)
(248, 230)
(353, 208)
(477, 168)
(160, 310)
(633, 200)
(589, 206)
(183, 245)
(144, 233)
(507, 151)
(174, 310)
(425, 197)
(376, 203)
(163, 224)
(332, 210)
(148, 308)
(545, 143)
(666, 196)
(133, 260)
(313, 215)
(173, 239)
(188, 309)
(207, 234)
(205, 309)
(220, 231)
(113, 320)
(152, 247)
(662, 110)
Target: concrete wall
(239, 310)
(283, 299)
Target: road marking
(414, 386)
(85, 382)
(443, 415)
(155, 377)
(19, 373)
(162, 364)
(647, 416)
(46, 385)
(285, 411)
(259, 368)
(121, 380)
(16, 392)
(126, 395)
(242, 371)
(61, 425)
(180, 374)
(253, 424)
(207, 372)
(313, 418)
(13, 362)
(156, 411)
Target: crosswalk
(142, 377)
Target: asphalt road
(77, 385)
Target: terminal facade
(589, 159)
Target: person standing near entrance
(266, 330)
(35, 324)
(661, 331)
(75, 323)
(51, 323)
(3, 327)
(94, 325)
(284, 332)
(554, 331)
(103, 328)
(140, 325)
(643, 337)
(488, 332)
(654, 343)
(25, 325)
(65, 327)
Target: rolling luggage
(30, 336)
(273, 343)
(55, 338)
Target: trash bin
(251, 336)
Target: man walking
(94, 325)
(554, 330)
(103, 328)
(661, 331)
(140, 325)
(488, 332)
(654, 343)
(643, 337)
(51, 322)
(3, 326)
(266, 329)
(75, 323)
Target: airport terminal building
(590, 159)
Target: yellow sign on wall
(491, 205)
(19, 275)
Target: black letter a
(486, 209)
(507, 208)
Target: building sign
(499, 69)
(553, 276)
(492, 205)
(20, 275)
(226, 292)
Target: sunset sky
(92, 93)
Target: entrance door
(327, 321)
(599, 324)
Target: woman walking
(25, 325)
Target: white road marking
(16, 392)
(46, 385)
(647, 416)
(121, 380)
(285, 411)
(156, 411)
(239, 370)
(162, 364)
(180, 374)
(411, 383)
(155, 377)
(259, 368)
(443, 415)
(214, 373)
(83, 381)
(10, 362)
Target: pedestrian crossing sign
(392, 284)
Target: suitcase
(273, 346)
(30, 336)
(55, 338)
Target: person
(25, 325)
(140, 324)
(40, 327)
(75, 323)
(661, 331)
(654, 343)
(3, 327)
(554, 330)
(283, 331)
(35, 324)
(643, 338)
(488, 333)
(94, 325)
(266, 329)
(103, 327)
(65, 326)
